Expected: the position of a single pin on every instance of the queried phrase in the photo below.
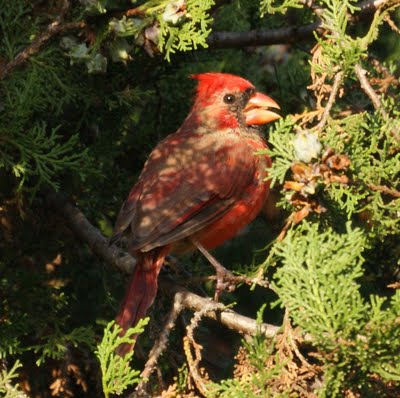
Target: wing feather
(185, 186)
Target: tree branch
(227, 317)
(85, 231)
(287, 34)
(161, 343)
(199, 376)
(124, 262)
(335, 88)
(385, 190)
(52, 30)
(261, 37)
(215, 40)
(392, 24)
(372, 5)
(366, 86)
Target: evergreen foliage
(318, 284)
(7, 389)
(82, 111)
(34, 147)
(115, 370)
(269, 6)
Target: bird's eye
(229, 99)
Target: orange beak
(257, 110)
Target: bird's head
(228, 101)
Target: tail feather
(141, 291)
(139, 296)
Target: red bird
(199, 187)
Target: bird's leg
(224, 276)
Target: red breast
(245, 210)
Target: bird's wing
(184, 191)
(126, 214)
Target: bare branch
(85, 231)
(161, 343)
(121, 260)
(386, 190)
(287, 34)
(372, 5)
(366, 86)
(392, 24)
(52, 30)
(234, 279)
(260, 37)
(199, 376)
(215, 40)
(227, 317)
(335, 88)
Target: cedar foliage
(82, 112)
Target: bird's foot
(225, 277)
(224, 282)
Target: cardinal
(199, 187)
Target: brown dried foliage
(66, 379)
(307, 178)
(319, 86)
(297, 375)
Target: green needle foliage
(7, 377)
(270, 6)
(188, 35)
(35, 148)
(117, 375)
(41, 155)
(317, 282)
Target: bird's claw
(225, 278)
(224, 283)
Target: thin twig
(386, 190)
(52, 30)
(392, 24)
(234, 279)
(366, 86)
(369, 6)
(335, 88)
(161, 343)
(85, 231)
(226, 317)
(189, 341)
(291, 34)
(262, 37)
(289, 222)
(215, 40)
(125, 263)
